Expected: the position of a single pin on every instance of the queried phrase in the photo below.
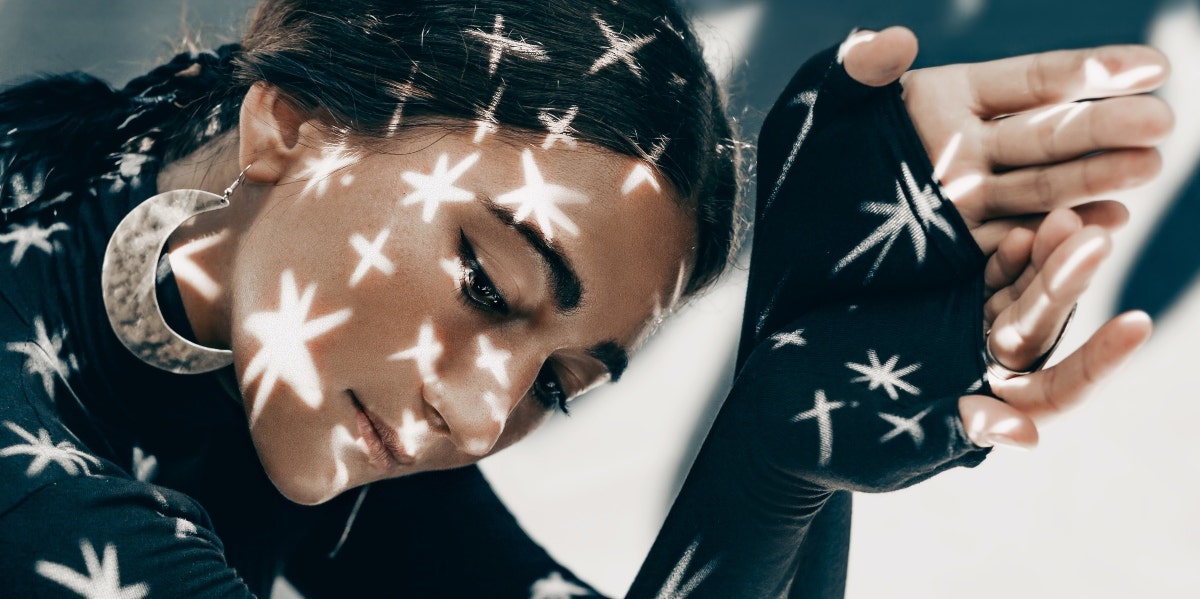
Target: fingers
(1014, 85)
(1109, 214)
(1009, 261)
(1035, 190)
(1054, 390)
(989, 422)
(1066, 131)
(877, 59)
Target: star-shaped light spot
(782, 339)
(186, 269)
(44, 451)
(675, 587)
(821, 412)
(370, 257)
(493, 360)
(640, 174)
(25, 191)
(558, 127)
(103, 578)
(554, 586)
(884, 375)
(184, 528)
(43, 355)
(438, 186)
(898, 220)
(404, 92)
(486, 123)
(619, 49)
(412, 432)
(318, 172)
(501, 44)
(284, 335)
(540, 200)
(1099, 78)
(145, 465)
(496, 409)
(902, 425)
(425, 353)
(24, 237)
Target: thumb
(877, 59)
(989, 422)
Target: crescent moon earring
(127, 278)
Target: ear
(269, 133)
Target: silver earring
(128, 281)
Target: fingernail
(998, 439)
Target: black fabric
(862, 329)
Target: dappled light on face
(342, 443)
(187, 271)
(558, 128)
(284, 335)
(413, 433)
(456, 269)
(486, 123)
(540, 200)
(424, 354)
(370, 257)
(495, 407)
(1099, 79)
(640, 174)
(318, 172)
(493, 360)
(438, 186)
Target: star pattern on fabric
(540, 200)
(903, 425)
(885, 375)
(45, 451)
(898, 220)
(558, 127)
(493, 360)
(675, 587)
(501, 44)
(25, 191)
(425, 353)
(24, 237)
(370, 257)
(103, 578)
(184, 528)
(43, 355)
(784, 339)
(821, 412)
(438, 185)
(284, 335)
(554, 586)
(486, 123)
(807, 99)
(144, 465)
(620, 49)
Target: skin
(628, 251)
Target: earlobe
(269, 133)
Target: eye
(477, 288)
(548, 389)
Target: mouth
(384, 449)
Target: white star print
(540, 199)
(554, 586)
(558, 127)
(884, 375)
(905, 425)
(675, 587)
(44, 451)
(26, 191)
(187, 270)
(493, 360)
(318, 171)
(820, 411)
(284, 335)
(425, 353)
(438, 186)
(25, 237)
(145, 466)
(501, 43)
(371, 257)
(808, 99)
(103, 578)
(43, 357)
(899, 219)
(486, 123)
(130, 164)
(619, 49)
(184, 528)
(792, 338)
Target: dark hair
(354, 63)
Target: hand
(1013, 139)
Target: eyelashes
(477, 291)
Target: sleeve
(436, 534)
(863, 327)
(101, 536)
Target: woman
(361, 171)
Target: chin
(308, 488)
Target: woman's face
(420, 309)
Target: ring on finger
(999, 371)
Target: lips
(383, 444)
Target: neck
(202, 250)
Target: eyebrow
(568, 290)
(613, 357)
